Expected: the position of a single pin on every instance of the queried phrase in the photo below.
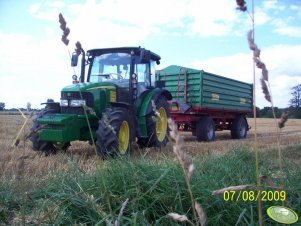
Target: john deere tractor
(119, 100)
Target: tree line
(294, 108)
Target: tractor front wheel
(114, 134)
(46, 147)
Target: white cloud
(289, 31)
(50, 15)
(32, 70)
(283, 63)
(55, 4)
(296, 8)
(283, 26)
(213, 18)
(261, 16)
(33, 9)
(273, 5)
(210, 18)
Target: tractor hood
(89, 86)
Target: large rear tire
(239, 128)
(205, 129)
(115, 133)
(46, 147)
(157, 126)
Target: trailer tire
(46, 147)
(239, 128)
(115, 133)
(157, 138)
(205, 129)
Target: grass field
(77, 188)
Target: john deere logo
(282, 214)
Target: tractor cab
(131, 69)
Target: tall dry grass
(266, 89)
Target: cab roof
(136, 50)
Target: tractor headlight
(77, 103)
(64, 103)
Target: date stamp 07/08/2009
(250, 196)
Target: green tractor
(119, 100)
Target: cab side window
(143, 72)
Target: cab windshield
(110, 67)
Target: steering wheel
(118, 76)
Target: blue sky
(203, 34)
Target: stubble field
(40, 165)
(76, 188)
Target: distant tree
(251, 115)
(28, 106)
(2, 106)
(295, 101)
(267, 112)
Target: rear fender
(145, 107)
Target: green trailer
(204, 102)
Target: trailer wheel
(46, 147)
(157, 127)
(205, 129)
(239, 128)
(115, 133)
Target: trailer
(203, 102)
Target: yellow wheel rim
(58, 145)
(123, 137)
(161, 124)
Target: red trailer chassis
(221, 117)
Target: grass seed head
(252, 45)
(201, 213)
(117, 222)
(231, 188)
(283, 119)
(265, 90)
(155, 109)
(241, 5)
(66, 30)
(265, 74)
(178, 217)
(182, 156)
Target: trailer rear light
(77, 103)
(64, 103)
(174, 107)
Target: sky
(201, 34)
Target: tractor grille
(76, 96)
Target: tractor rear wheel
(157, 127)
(115, 133)
(239, 128)
(46, 147)
(205, 129)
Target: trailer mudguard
(145, 107)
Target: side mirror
(144, 56)
(74, 60)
